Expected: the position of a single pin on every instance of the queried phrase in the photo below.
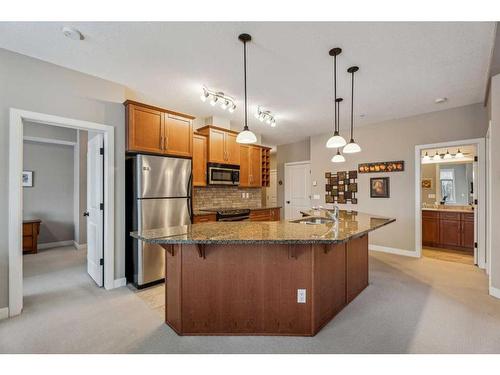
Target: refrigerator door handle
(190, 199)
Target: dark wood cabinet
(199, 160)
(31, 229)
(430, 228)
(158, 131)
(452, 230)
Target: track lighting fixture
(226, 102)
(265, 116)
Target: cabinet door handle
(166, 143)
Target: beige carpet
(411, 306)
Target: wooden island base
(252, 289)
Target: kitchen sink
(313, 221)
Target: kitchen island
(263, 278)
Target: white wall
(396, 140)
(33, 85)
(52, 196)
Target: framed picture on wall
(426, 183)
(379, 187)
(27, 178)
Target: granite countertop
(208, 211)
(465, 210)
(351, 225)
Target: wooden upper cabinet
(222, 145)
(157, 130)
(199, 160)
(216, 148)
(178, 135)
(144, 129)
(244, 166)
(232, 149)
(255, 166)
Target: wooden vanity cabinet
(199, 160)
(222, 145)
(158, 131)
(451, 230)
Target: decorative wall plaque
(382, 166)
(341, 187)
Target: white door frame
(481, 193)
(285, 175)
(17, 116)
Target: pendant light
(246, 136)
(338, 157)
(336, 140)
(352, 147)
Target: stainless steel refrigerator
(158, 191)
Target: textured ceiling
(404, 67)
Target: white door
(272, 190)
(95, 213)
(475, 186)
(297, 189)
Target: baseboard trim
(4, 313)
(392, 250)
(494, 292)
(120, 282)
(79, 246)
(49, 245)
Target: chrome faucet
(331, 215)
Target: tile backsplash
(225, 197)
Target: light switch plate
(315, 183)
(301, 296)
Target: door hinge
(101, 151)
(475, 158)
(101, 262)
(475, 201)
(475, 245)
(101, 206)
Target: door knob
(287, 202)
(86, 213)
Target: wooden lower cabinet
(205, 218)
(268, 214)
(31, 229)
(451, 230)
(251, 289)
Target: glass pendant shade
(338, 158)
(459, 154)
(447, 155)
(246, 136)
(351, 148)
(336, 141)
(426, 157)
(436, 157)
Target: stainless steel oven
(223, 174)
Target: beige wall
(495, 181)
(396, 140)
(33, 85)
(289, 153)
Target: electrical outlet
(301, 296)
(243, 195)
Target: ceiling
(404, 67)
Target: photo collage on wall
(341, 187)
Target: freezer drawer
(153, 214)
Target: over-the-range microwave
(223, 174)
